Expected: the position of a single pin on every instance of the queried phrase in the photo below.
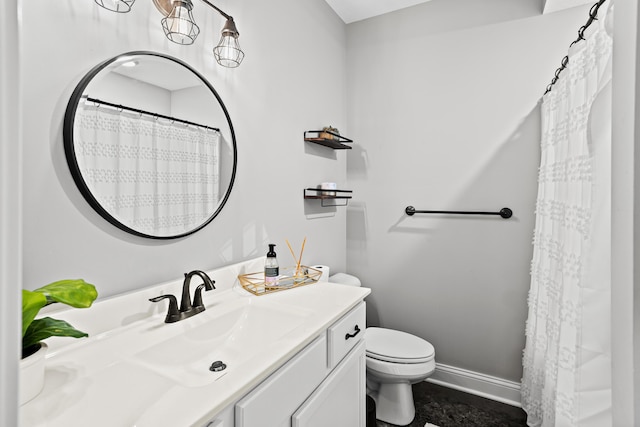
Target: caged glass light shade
(179, 26)
(228, 52)
(120, 6)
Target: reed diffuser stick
(291, 250)
(301, 251)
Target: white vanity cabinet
(322, 385)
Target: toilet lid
(397, 346)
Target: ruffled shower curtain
(155, 176)
(567, 356)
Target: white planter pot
(32, 374)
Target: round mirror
(150, 145)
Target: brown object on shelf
(329, 132)
(255, 283)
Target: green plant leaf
(32, 302)
(76, 293)
(41, 329)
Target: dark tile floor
(446, 407)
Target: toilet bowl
(395, 361)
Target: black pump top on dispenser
(272, 252)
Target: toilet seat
(393, 346)
(399, 372)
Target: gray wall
(275, 95)
(625, 262)
(443, 108)
(10, 213)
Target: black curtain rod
(136, 110)
(593, 16)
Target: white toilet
(395, 361)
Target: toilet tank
(345, 279)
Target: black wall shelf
(337, 142)
(324, 195)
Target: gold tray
(255, 283)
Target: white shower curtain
(155, 176)
(567, 357)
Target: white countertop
(99, 381)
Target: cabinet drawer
(343, 335)
(272, 402)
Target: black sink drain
(217, 366)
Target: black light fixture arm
(218, 9)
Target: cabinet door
(340, 401)
(272, 402)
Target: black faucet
(187, 309)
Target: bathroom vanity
(292, 358)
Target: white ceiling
(357, 10)
(556, 5)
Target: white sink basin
(232, 336)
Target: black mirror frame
(70, 154)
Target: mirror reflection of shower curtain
(153, 175)
(567, 358)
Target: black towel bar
(504, 212)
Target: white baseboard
(493, 388)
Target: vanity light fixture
(180, 27)
(228, 52)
